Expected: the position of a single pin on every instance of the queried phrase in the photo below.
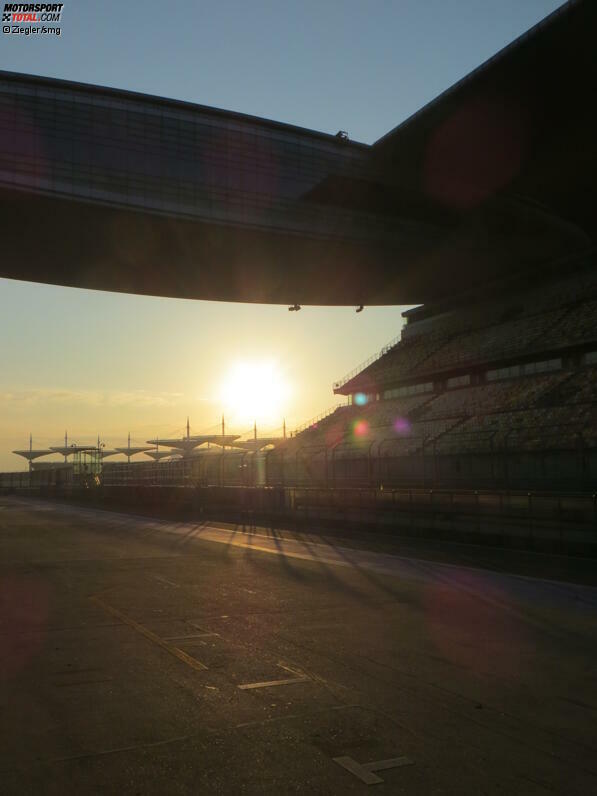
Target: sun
(255, 391)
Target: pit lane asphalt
(147, 656)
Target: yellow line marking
(300, 678)
(269, 683)
(178, 653)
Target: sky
(101, 363)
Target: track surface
(148, 657)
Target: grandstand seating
(403, 358)
(505, 375)
(580, 388)
(559, 314)
(495, 343)
(579, 325)
(528, 413)
(493, 397)
(378, 419)
(530, 429)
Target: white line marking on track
(365, 771)
(161, 579)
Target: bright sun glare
(255, 391)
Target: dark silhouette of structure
(110, 189)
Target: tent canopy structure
(105, 452)
(157, 455)
(132, 450)
(189, 443)
(33, 454)
(71, 449)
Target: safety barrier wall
(316, 467)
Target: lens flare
(360, 399)
(401, 425)
(361, 429)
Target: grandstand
(493, 390)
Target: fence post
(431, 509)
(478, 511)
(334, 465)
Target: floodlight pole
(30, 451)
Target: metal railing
(313, 420)
(373, 358)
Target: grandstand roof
(495, 175)
(503, 164)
